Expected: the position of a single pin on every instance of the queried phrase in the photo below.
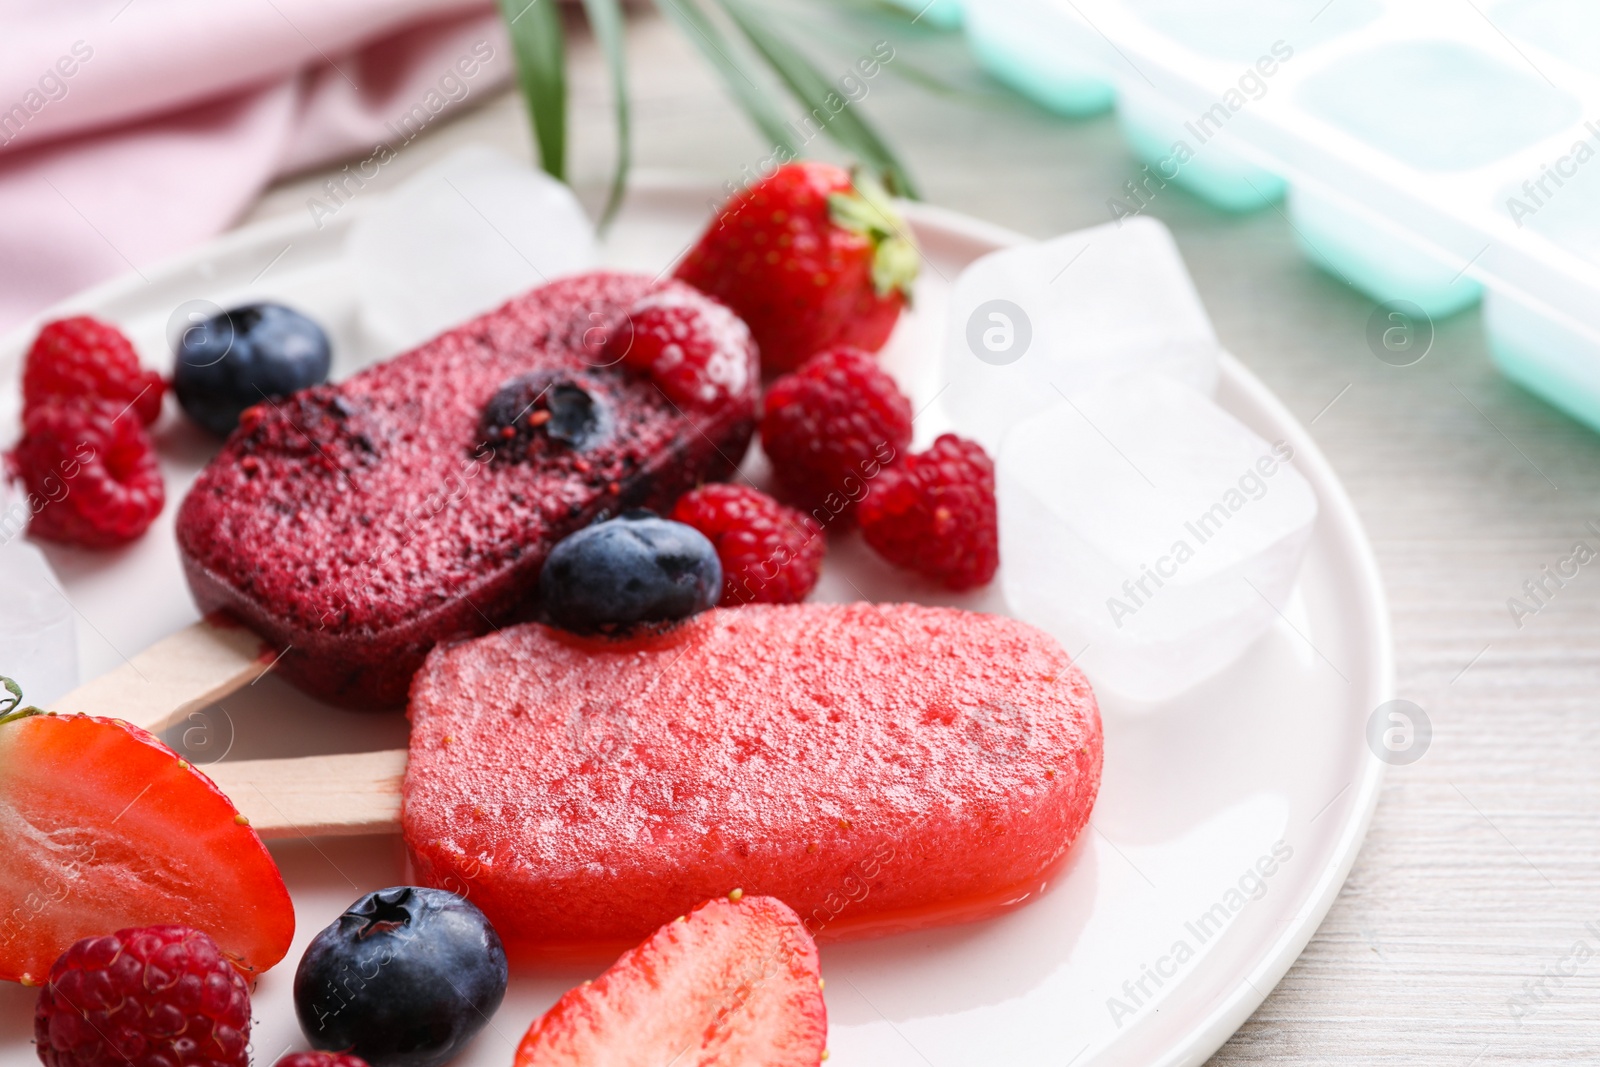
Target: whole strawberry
(830, 427)
(770, 554)
(90, 472)
(84, 359)
(934, 513)
(810, 260)
(155, 996)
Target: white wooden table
(1482, 869)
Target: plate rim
(1254, 981)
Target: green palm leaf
(538, 41)
(747, 92)
(540, 48)
(605, 18)
(826, 109)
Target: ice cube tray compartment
(1428, 151)
(1241, 30)
(1436, 105)
(1566, 29)
(1022, 50)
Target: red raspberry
(156, 996)
(699, 353)
(770, 554)
(934, 513)
(320, 1059)
(91, 474)
(85, 359)
(830, 427)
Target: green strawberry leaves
(869, 211)
(9, 709)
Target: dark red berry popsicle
(358, 524)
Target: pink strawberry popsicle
(876, 767)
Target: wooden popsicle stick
(305, 796)
(176, 675)
(316, 795)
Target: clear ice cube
(1150, 531)
(38, 632)
(1031, 324)
(461, 238)
(1437, 105)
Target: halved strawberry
(104, 828)
(735, 983)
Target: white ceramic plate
(1162, 906)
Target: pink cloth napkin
(131, 129)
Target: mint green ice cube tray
(1431, 152)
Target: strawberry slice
(735, 983)
(106, 828)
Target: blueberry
(241, 357)
(532, 414)
(404, 978)
(636, 568)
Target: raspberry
(830, 427)
(91, 474)
(320, 1059)
(85, 359)
(770, 554)
(154, 996)
(699, 353)
(934, 513)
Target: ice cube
(1150, 531)
(461, 238)
(38, 633)
(1036, 322)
